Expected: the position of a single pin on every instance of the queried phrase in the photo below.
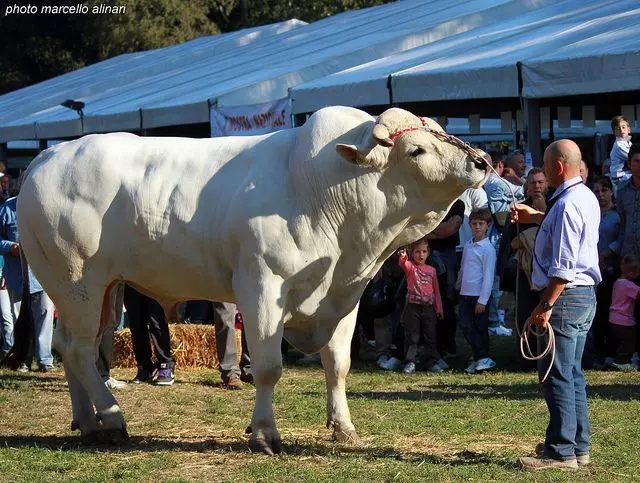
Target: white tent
(607, 61)
(265, 71)
(479, 62)
(21, 109)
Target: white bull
(280, 224)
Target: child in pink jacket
(424, 304)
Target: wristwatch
(546, 306)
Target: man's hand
(479, 309)
(525, 214)
(540, 317)
(440, 316)
(15, 250)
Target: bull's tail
(23, 330)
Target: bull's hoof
(114, 436)
(261, 445)
(348, 436)
(248, 430)
(75, 425)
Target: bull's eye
(417, 152)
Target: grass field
(424, 427)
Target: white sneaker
(392, 364)
(623, 367)
(436, 368)
(635, 360)
(485, 364)
(114, 384)
(443, 365)
(409, 368)
(500, 330)
(471, 368)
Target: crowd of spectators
(613, 341)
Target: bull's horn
(381, 135)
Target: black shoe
(247, 377)
(47, 368)
(143, 375)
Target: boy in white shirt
(620, 151)
(475, 280)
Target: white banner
(250, 120)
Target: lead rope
(528, 329)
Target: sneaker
(583, 459)
(485, 364)
(635, 360)
(392, 364)
(309, 359)
(443, 365)
(608, 361)
(409, 368)
(623, 367)
(382, 360)
(165, 375)
(233, 383)
(471, 368)
(500, 330)
(542, 463)
(114, 384)
(143, 375)
(436, 368)
(246, 377)
(23, 368)
(47, 368)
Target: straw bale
(192, 345)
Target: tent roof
(21, 109)
(479, 62)
(606, 61)
(264, 71)
(407, 51)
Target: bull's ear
(348, 152)
(371, 157)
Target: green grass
(449, 427)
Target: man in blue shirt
(41, 305)
(565, 270)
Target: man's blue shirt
(9, 235)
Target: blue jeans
(568, 432)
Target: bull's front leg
(263, 326)
(336, 360)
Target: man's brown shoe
(233, 383)
(542, 463)
(582, 459)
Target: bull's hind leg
(81, 322)
(263, 325)
(84, 416)
(336, 360)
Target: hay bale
(191, 346)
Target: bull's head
(399, 138)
